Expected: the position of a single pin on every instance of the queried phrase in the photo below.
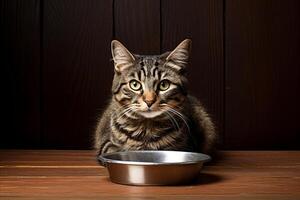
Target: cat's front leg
(108, 147)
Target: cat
(150, 108)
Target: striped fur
(143, 115)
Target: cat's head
(150, 85)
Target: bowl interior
(155, 157)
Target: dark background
(56, 71)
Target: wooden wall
(56, 69)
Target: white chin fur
(151, 114)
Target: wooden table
(52, 174)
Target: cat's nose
(149, 98)
(149, 103)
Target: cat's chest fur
(132, 134)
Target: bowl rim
(104, 160)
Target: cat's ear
(178, 58)
(121, 56)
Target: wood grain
(262, 74)
(77, 73)
(239, 175)
(202, 21)
(20, 73)
(137, 25)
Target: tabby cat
(150, 108)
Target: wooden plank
(77, 72)
(265, 158)
(137, 25)
(202, 22)
(262, 74)
(165, 197)
(241, 175)
(88, 158)
(54, 172)
(50, 158)
(20, 77)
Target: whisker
(116, 112)
(176, 111)
(173, 120)
(181, 116)
(167, 105)
(123, 112)
(122, 107)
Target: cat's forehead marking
(149, 61)
(148, 65)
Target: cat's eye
(164, 85)
(135, 85)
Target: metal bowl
(153, 167)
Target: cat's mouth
(150, 113)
